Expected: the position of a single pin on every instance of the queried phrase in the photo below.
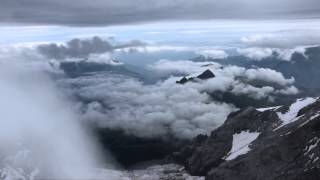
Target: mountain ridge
(286, 146)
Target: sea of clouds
(162, 109)
(43, 109)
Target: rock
(279, 151)
(203, 76)
(130, 150)
(182, 81)
(206, 75)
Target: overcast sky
(111, 12)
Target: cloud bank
(283, 39)
(109, 12)
(168, 109)
(161, 110)
(164, 109)
(77, 48)
(40, 136)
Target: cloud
(41, 136)
(167, 109)
(259, 53)
(268, 75)
(167, 67)
(155, 49)
(77, 48)
(213, 54)
(256, 53)
(282, 44)
(161, 110)
(237, 80)
(287, 39)
(109, 12)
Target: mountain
(260, 144)
(207, 74)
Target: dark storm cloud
(108, 12)
(77, 48)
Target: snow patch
(309, 148)
(268, 108)
(240, 144)
(309, 120)
(291, 115)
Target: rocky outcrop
(207, 74)
(260, 144)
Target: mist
(40, 135)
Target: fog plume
(40, 136)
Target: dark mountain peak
(182, 81)
(207, 74)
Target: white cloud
(155, 49)
(256, 53)
(167, 108)
(260, 53)
(214, 54)
(268, 75)
(284, 39)
(164, 108)
(180, 67)
(40, 134)
(156, 110)
(229, 78)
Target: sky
(110, 12)
(168, 22)
(199, 33)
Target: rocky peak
(207, 74)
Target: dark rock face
(130, 150)
(182, 81)
(282, 150)
(207, 74)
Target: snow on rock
(310, 119)
(268, 108)
(315, 141)
(309, 150)
(291, 115)
(156, 172)
(240, 144)
(162, 172)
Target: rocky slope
(260, 144)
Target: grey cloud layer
(165, 108)
(77, 48)
(108, 12)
